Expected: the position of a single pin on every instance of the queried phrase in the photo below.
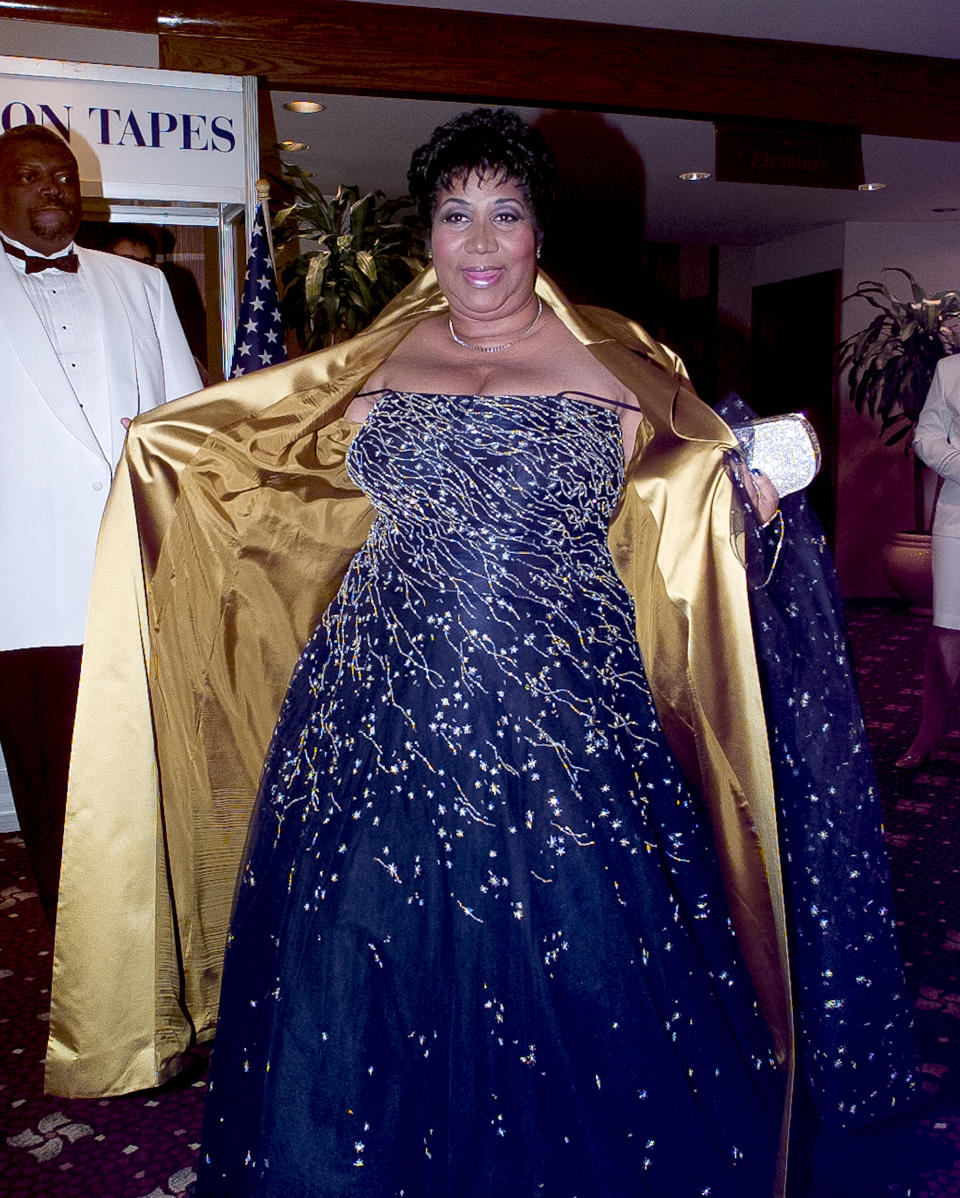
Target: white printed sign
(137, 133)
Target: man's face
(39, 194)
(136, 250)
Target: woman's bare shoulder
(407, 356)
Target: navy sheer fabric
(480, 944)
(857, 1051)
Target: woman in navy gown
(481, 943)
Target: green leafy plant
(359, 252)
(889, 365)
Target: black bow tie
(68, 262)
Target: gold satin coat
(228, 530)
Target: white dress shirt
(69, 314)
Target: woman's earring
(538, 252)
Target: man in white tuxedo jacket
(87, 340)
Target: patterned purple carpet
(922, 821)
(144, 1145)
(138, 1146)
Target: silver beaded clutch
(785, 448)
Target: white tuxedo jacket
(54, 474)
(936, 441)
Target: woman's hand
(763, 494)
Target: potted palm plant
(888, 368)
(354, 254)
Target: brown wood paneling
(380, 49)
(131, 16)
(408, 51)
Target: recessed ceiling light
(871, 187)
(292, 147)
(695, 176)
(303, 106)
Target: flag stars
(261, 341)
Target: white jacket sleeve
(936, 440)
(180, 374)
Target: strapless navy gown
(480, 945)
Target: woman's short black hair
(490, 143)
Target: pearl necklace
(495, 349)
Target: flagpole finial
(263, 190)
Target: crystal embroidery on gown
(480, 944)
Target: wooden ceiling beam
(380, 49)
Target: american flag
(259, 327)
